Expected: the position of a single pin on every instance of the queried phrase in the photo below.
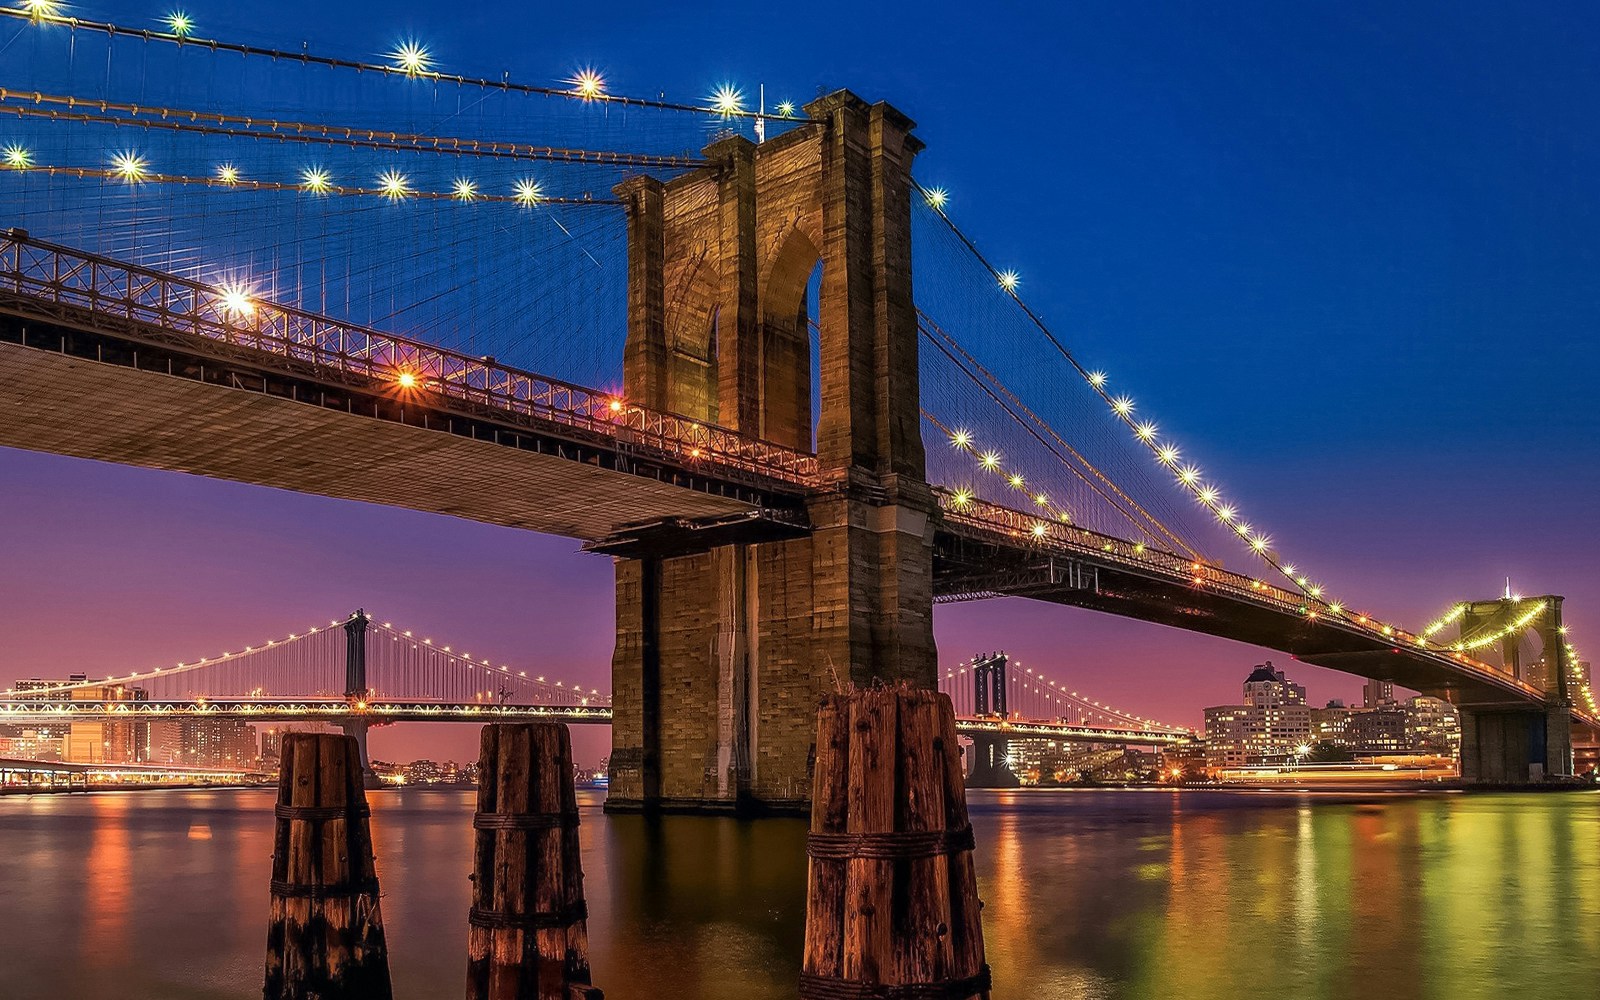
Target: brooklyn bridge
(759, 366)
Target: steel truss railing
(47, 272)
(1068, 539)
(44, 712)
(1016, 729)
(48, 711)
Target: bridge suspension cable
(24, 104)
(393, 186)
(306, 662)
(1167, 454)
(1037, 428)
(1033, 697)
(402, 664)
(411, 61)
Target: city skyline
(1158, 250)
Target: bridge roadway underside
(969, 566)
(88, 395)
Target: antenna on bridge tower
(761, 116)
(1508, 588)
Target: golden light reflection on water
(1392, 896)
(1194, 895)
(105, 941)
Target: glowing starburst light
(406, 380)
(1168, 454)
(1260, 542)
(179, 24)
(1016, 480)
(411, 59)
(131, 167)
(1009, 280)
(464, 190)
(1146, 431)
(1189, 474)
(727, 100)
(1208, 494)
(936, 198)
(1039, 529)
(588, 84)
(527, 192)
(17, 157)
(1226, 513)
(41, 9)
(962, 498)
(1097, 379)
(1123, 405)
(786, 109)
(990, 460)
(227, 173)
(316, 180)
(394, 185)
(961, 438)
(235, 299)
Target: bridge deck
(67, 405)
(44, 712)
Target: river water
(1089, 894)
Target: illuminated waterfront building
(1271, 725)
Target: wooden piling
(325, 932)
(528, 937)
(892, 909)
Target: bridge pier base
(990, 767)
(357, 729)
(1507, 747)
(723, 655)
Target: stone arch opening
(788, 351)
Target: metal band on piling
(898, 846)
(342, 890)
(492, 920)
(524, 821)
(320, 813)
(829, 988)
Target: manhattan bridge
(737, 346)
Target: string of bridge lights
(182, 666)
(96, 111)
(950, 347)
(405, 635)
(1167, 452)
(1515, 626)
(132, 168)
(410, 59)
(1056, 692)
(991, 462)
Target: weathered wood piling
(325, 932)
(892, 906)
(528, 938)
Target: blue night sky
(1350, 253)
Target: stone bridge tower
(1511, 744)
(721, 655)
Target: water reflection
(104, 941)
(1090, 894)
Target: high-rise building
(1377, 694)
(1432, 726)
(1271, 726)
(1266, 687)
(86, 742)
